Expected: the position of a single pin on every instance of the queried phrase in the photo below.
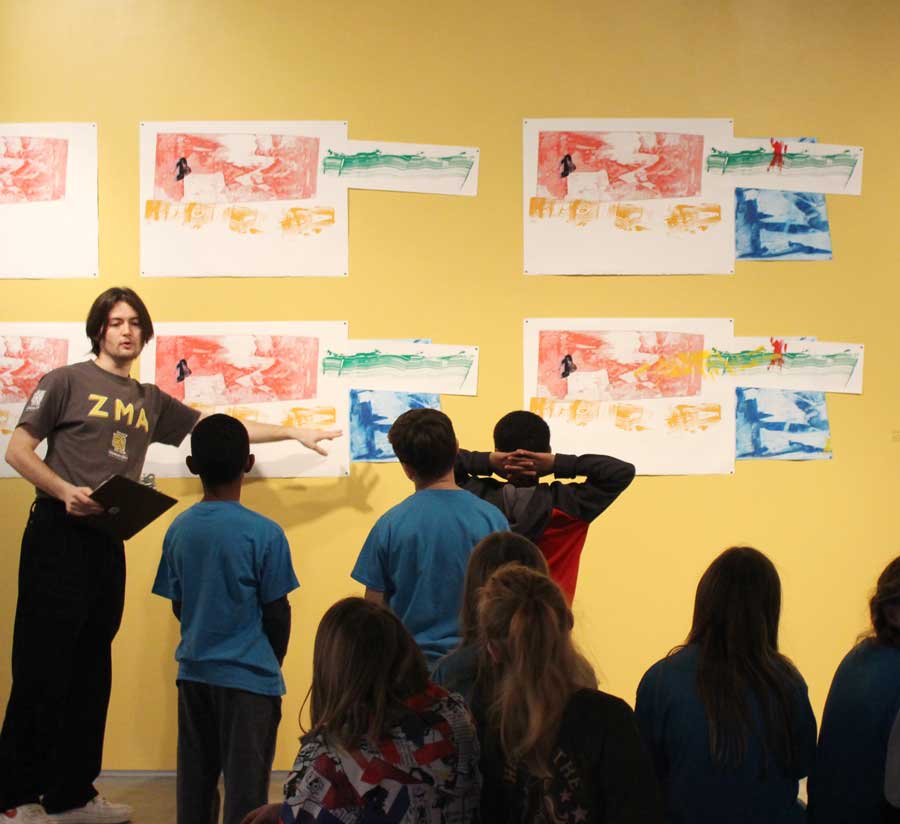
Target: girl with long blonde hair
(556, 749)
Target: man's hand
(78, 501)
(267, 814)
(311, 438)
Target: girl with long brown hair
(726, 716)
(556, 749)
(385, 744)
(848, 782)
(458, 670)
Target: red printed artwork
(32, 169)
(619, 165)
(24, 360)
(619, 365)
(231, 168)
(218, 369)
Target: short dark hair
(98, 316)
(220, 447)
(522, 430)
(424, 440)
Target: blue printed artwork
(782, 423)
(371, 415)
(773, 225)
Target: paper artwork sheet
(372, 413)
(268, 372)
(633, 388)
(660, 437)
(404, 366)
(794, 165)
(777, 225)
(625, 196)
(48, 200)
(240, 199)
(770, 224)
(786, 363)
(27, 352)
(404, 167)
(782, 424)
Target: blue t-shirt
(697, 790)
(458, 670)
(223, 561)
(416, 554)
(847, 783)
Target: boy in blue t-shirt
(415, 557)
(227, 571)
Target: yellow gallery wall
(450, 268)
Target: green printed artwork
(737, 362)
(362, 164)
(337, 364)
(790, 165)
(406, 367)
(755, 160)
(787, 363)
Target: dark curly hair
(884, 605)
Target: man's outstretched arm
(272, 433)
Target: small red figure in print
(779, 147)
(779, 347)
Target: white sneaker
(26, 814)
(97, 811)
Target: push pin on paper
(568, 166)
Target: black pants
(71, 596)
(227, 731)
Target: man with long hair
(98, 422)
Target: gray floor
(153, 795)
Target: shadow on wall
(298, 501)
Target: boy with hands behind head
(556, 516)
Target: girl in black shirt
(556, 749)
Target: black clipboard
(128, 507)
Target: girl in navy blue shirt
(847, 784)
(726, 716)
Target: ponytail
(525, 628)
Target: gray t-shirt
(98, 424)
